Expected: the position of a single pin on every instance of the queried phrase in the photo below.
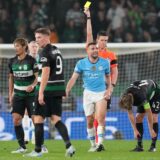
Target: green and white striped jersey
(23, 72)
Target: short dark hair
(22, 41)
(91, 43)
(126, 101)
(102, 33)
(45, 31)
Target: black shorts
(155, 106)
(21, 103)
(53, 106)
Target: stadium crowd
(124, 20)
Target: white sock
(100, 132)
(91, 135)
(33, 133)
(26, 127)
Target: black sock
(63, 132)
(39, 136)
(20, 135)
(155, 128)
(140, 130)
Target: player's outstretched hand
(153, 134)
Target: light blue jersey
(93, 74)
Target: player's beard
(95, 56)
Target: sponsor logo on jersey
(23, 73)
(92, 75)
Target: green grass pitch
(115, 150)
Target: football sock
(91, 135)
(155, 127)
(20, 135)
(33, 133)
(100, 132)
(62, 129)
(26, 127)
(39, 136)
(139, 138)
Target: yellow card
(87, 4)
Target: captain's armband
(146, 105)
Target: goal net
(136, 61)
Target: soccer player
(26, 121)
(95, 73)
(23, 73)
(33, 49)
(104, 52)
(51, 88)
(144, 94)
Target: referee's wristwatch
(113, 85)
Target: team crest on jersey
(93, 68)
(25, 67)
(20, 67)
(100, 68)
(43, 59)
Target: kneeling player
(144, 94)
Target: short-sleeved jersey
(51, 57)
(143, 91)
(93, 74)
(110, 55)
(23, 73)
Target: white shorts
(90, 99)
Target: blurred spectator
(76, 15)
(20, 20)
(6, 27)
(146, 37)
(128, 37)
(151, 24)
(100, 22)
(71, 34)
(53, 36)
(22, 32)
(134, 13)
(116, 14)
(117, 17)
(1, 40)
(118, 35)
(38, 16)
(135, 30)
